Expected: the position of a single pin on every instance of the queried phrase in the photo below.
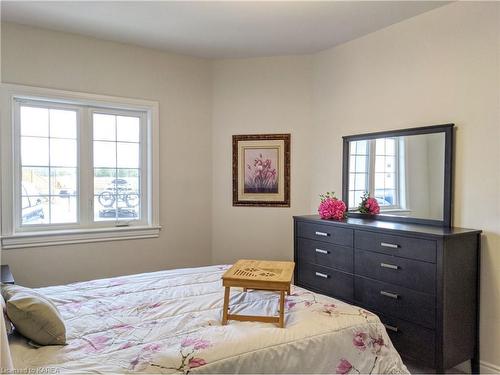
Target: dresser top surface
(361, 223)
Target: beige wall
(435, 160)
(442, 66)
(265, 95)
(182, 86)
(417, 176)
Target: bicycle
(119, 194)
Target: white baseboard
(489, 368)
(484, 368)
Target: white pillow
(34, 316)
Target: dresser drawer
(326, 233)
(326, 254)
(412, 274)
(394, 300)
(331, 282)
(406, 247)
(411, 340)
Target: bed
(169, 322)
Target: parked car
(32, 209)
(64, 193)
(383, 202)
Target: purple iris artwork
(261, 170)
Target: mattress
(170, 322)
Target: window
(117, 167)
(385, 186)
(48, 164)
(358, 171)
(78, 166)
(377, 167)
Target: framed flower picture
(261, 170)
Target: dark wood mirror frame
(448, 130)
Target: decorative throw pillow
(34, 316)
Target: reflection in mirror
(404, 173)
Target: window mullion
(371, 159)
(85, 168)
(396, 175)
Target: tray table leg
(282, 309)
(225, 308)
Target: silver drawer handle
(323, 234)
(391, 328)
(391, 266)
(391, 245)
(323, 275)
(321, 251)
(389, 294)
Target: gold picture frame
(261, 170)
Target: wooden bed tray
(258, 275)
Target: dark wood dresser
(422, 281)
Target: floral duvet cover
(169, 322)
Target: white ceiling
(223, 29)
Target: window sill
(66, 237)
(396, 210)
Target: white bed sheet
(169, 321)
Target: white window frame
(400, 172)
(13, 235)
(17, 166)
(144, 220)
(371, 188)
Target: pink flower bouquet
(331, 207)
(369, 205)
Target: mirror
(408, 172)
